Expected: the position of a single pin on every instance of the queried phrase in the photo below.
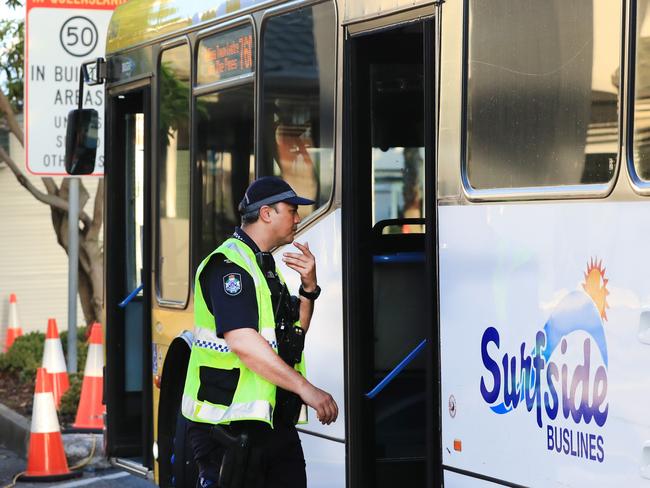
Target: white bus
(482, 177)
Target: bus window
(642, 93)
(174, 174)
(397, 142)
(543, 84)
(298, 82)
(396, 133)
(225, 157)
(134, 158)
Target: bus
(481, 184)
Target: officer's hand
(326, 409)
(304, 263)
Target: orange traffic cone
(54, 362)
(13, 329)
(90, 413)
(46, 457)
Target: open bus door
(128, 390)
(390, 256)
(127, 260)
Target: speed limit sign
(59, 37)
(78, 36)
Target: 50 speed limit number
(78, 36)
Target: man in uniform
(243, 378)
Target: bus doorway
(390, 257)
(128, 333)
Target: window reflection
(174, 170)
(642, 92)
(542, 92)
(225, 157)
(298, 75)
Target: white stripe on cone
(44, 419)
(95, 360)
(13, 316)
(53, 360)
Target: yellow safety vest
(254, 397)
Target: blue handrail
(399, 257)
(132, 295)
(397, 370)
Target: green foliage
(82, 346)
(70, 401)
(12, 48)
(175, 105)
(26, 353)
(24, 356)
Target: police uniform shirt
(229, 291)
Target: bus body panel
(324, 341)
(457, 480)
(325, 462)
(558, 294)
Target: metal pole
(73, 269)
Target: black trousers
(277, 459)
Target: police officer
(236, 381)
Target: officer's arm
(303, 263)
(306, 311)
(253, 350)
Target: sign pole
(73, 270)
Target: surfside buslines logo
(563, 375)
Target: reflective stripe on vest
(205, 412)
(209, 340)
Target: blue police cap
(267, 191)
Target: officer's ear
(265, 213)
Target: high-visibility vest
(254, 397)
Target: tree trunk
(91, 252)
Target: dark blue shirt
(229, 291)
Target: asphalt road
(10, 464)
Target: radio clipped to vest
(290, 337)
(291, 342)
(286, 310)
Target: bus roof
(139, 21)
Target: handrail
(396, 370)
(132, 295)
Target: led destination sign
(226, 55)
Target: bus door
(128, 338)
(389, 237)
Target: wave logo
(565, 371)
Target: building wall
(32, 264)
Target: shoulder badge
(232, 284)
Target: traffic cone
(46, 457)
(13, 329)
(90, 413)
(54, 362)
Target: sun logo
(595, 285)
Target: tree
(55, 196)
(12, 40)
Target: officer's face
(285, 220)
